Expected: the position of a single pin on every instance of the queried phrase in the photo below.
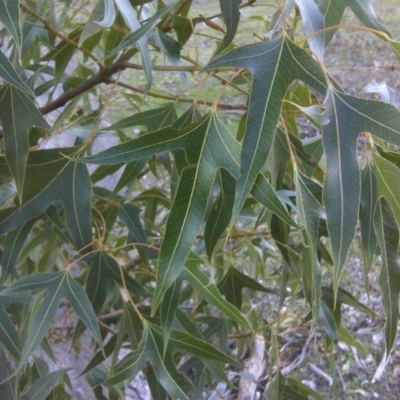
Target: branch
(103, 76)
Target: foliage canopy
(207, 198)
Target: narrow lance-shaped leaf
(9, 16)
(109, 14)
(8, 73)
(231, 14)
(42, 387)
(387, 177)
(8, 334)
(59, 286)
(141, 31)
(12, 247)
(18, 114)
(209, 292)
(221, 212)
(389, 280)
(234, 282)
(348, 117)
(366, 14)
(271, 78)
(313, 21)
(368, 202)
(264, 193)
(168, 308)
(309, 209)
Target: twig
(172, 98)
(381, 368)
(110, 315)
(321, 373)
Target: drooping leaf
(368, 202)
(9, 337)
(221, 212)
(18, 114)
(12, 247)
(109, 14)
(129, 215)
(8, 73)
(271, 79)
(387, 178)
(387, 233)
(168, 308)
(9, 16)
(366, 14)
(348, 117)
(309, 211)
(58, 285)
(313, 21)
(231, 14)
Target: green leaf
(264, 193)
(129, 215)
(387, 178)
(104, 269)
(309, 210)
(63, 53)
(231, 14)
(387, 232)
(365, 13)
(52, 177)
(234, 282)
(186, 342)
(92, 26)
(18, 114)
(9, 337)
(348, 117)
(58, 285)
(209, 292)
(221, 212)
(151, 350)
(368, 202)
(8, 73)
(313, 21)
(333, 13)
(154, 119)
(168, 309)
(9, 16)
(109, 14)
(42, 387)
(267, 61)
(139, 34)
(12, 247)
(183, 27)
